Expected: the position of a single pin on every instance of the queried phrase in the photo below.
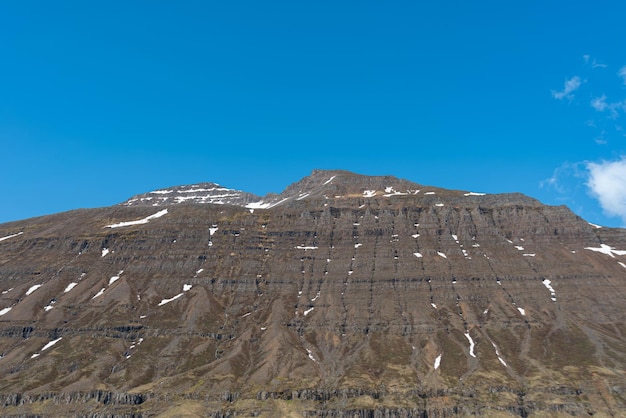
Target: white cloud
(622, 73)
(570, 86)
(607, 183)
(599, 103)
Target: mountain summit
(326, 184)
(344, 295)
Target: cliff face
(346, 296)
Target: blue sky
(103, 100)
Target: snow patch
(498, 355)
(547, 284)
(357, 245)
(433, 305)
(70, 287)
(529, 255)
(418, 255)
(605, 249)
(187, 287)
(308, 311)
(258, 205)
(301, 247)
(441, 254)
(213, 230)
(594, 225)
(140, 221)
(392, 192)
(474, 194)
(105, 251)
(51, 343)
(328, 181)
(99, 293)
(5, 310)
(439, 204)
(437, 361)
(522, 311)
(115, 278)
(471, 349)
(11, 236)
(165, 301)
(621, 264)
(32, 289)
(310, 353)
(369, 193)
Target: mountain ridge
(363, 298)
(320, 183)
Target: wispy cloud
(570, 86)
(607, 183)
(594, 63)
(599, 103)
(622, 73)
(559, 181)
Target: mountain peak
(336, 185)
(194, 193)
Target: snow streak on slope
(605, 249)
(11, 236)
(471, 349)
(47, 346)
(32, 289)
(547, 283)
(500, 359)
(140, 221)
(186, 288)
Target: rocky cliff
(345, 295)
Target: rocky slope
(345, 295)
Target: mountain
(343, 296)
